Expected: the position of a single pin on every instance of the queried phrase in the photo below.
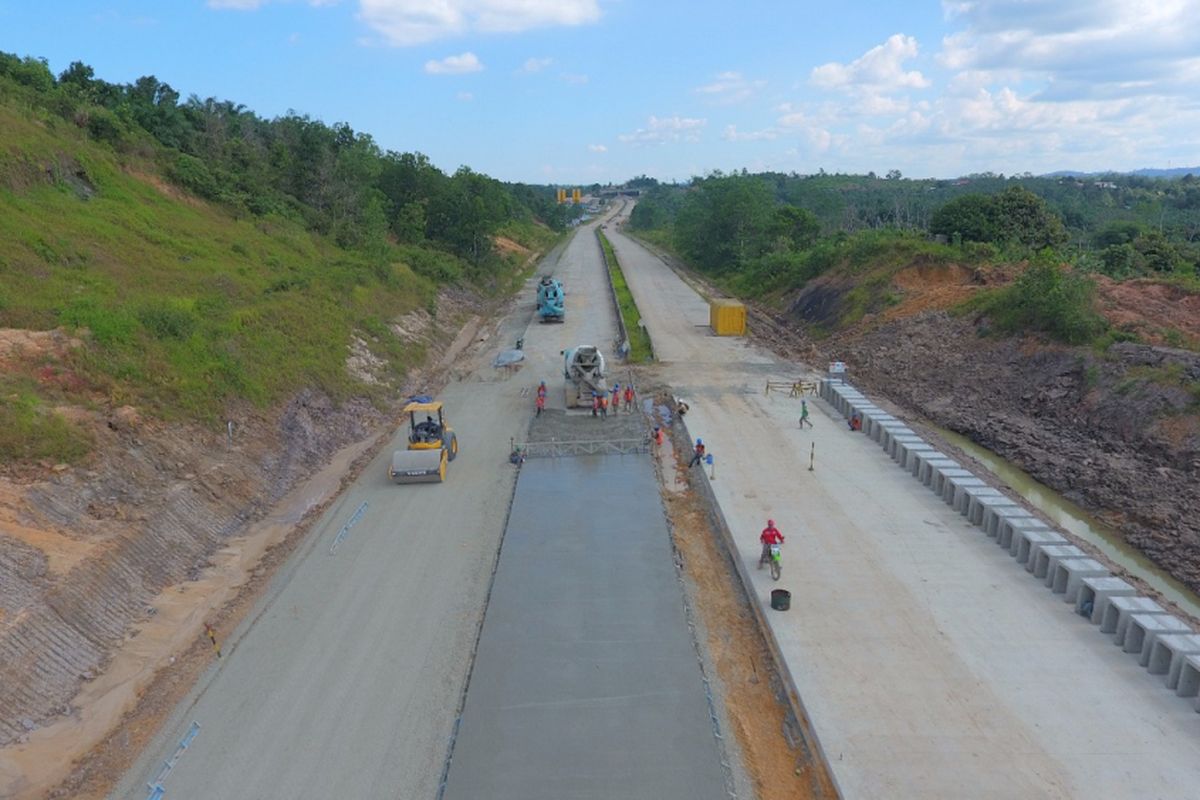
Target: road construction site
(350, 675)
(422, 642)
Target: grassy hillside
(181, 304)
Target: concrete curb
(717, 516)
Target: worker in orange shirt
(628, 398)
(541, 404)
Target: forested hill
(201, 254)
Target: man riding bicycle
(769, 536)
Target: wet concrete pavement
(586, 682)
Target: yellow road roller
(431, 445)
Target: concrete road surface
(347, 678)
(931, 665)
(586, 683)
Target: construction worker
(768, 537)
(616, 398)
(603, 406)
(628, 398)
(540, 403)
(698, 458)
(804, 415)
(541, 390)
(595, 404)
(658, 436)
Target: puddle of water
(1074, 519)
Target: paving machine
(550, 300)
(431, 445)
(583, 367)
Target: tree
(970, 218)
(799, 227)
(1021, 216)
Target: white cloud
(660, 130)
(533, 65)
(597, 148)
(454, 65)
(409, 22)
(880, 69)
(729, 88)
(464, 97)
(1080, 48)
(732, 134)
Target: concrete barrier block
(1120, 609)
(873, 427)
(979, 500)
(1168, 653)
(994, 517)
(954, 490)
(929, 468)
(1026, 542)
(1098, 591)
(1043, 556)
(918, 457)
(1189, 679)
(1068, 573)
(909, 453)
(1016, 535)
(1144, 630)
(890, 432)
(937, 483)
(897, 444)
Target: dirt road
(930, 664)
(346, 680)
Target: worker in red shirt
(628, 398)
(769, 536)
(541, 404)
(541, 390)
(658, 436)
(603, 406)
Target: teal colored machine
(550, 300)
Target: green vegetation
(204, 254)
(767, 236)
(1046, 297)
(31, 430)
(639, 341)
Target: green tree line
(339, 182)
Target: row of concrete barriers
(1164, 644)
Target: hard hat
(699, 442)
(770, 523)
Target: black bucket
(781, 599)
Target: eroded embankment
(85, 552)
(1116, 432)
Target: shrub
(1047, 297)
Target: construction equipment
(550, 300)
(583, 367)
(431, 445)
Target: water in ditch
(1074, 519)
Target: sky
(586, 91)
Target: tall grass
(639, 340)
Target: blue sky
(579, 91)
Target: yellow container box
(727, 317)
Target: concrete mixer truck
(550, 300)
(583, 367)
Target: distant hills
(1174, 172)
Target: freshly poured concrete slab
(586, 683)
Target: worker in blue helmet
(698, 456)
